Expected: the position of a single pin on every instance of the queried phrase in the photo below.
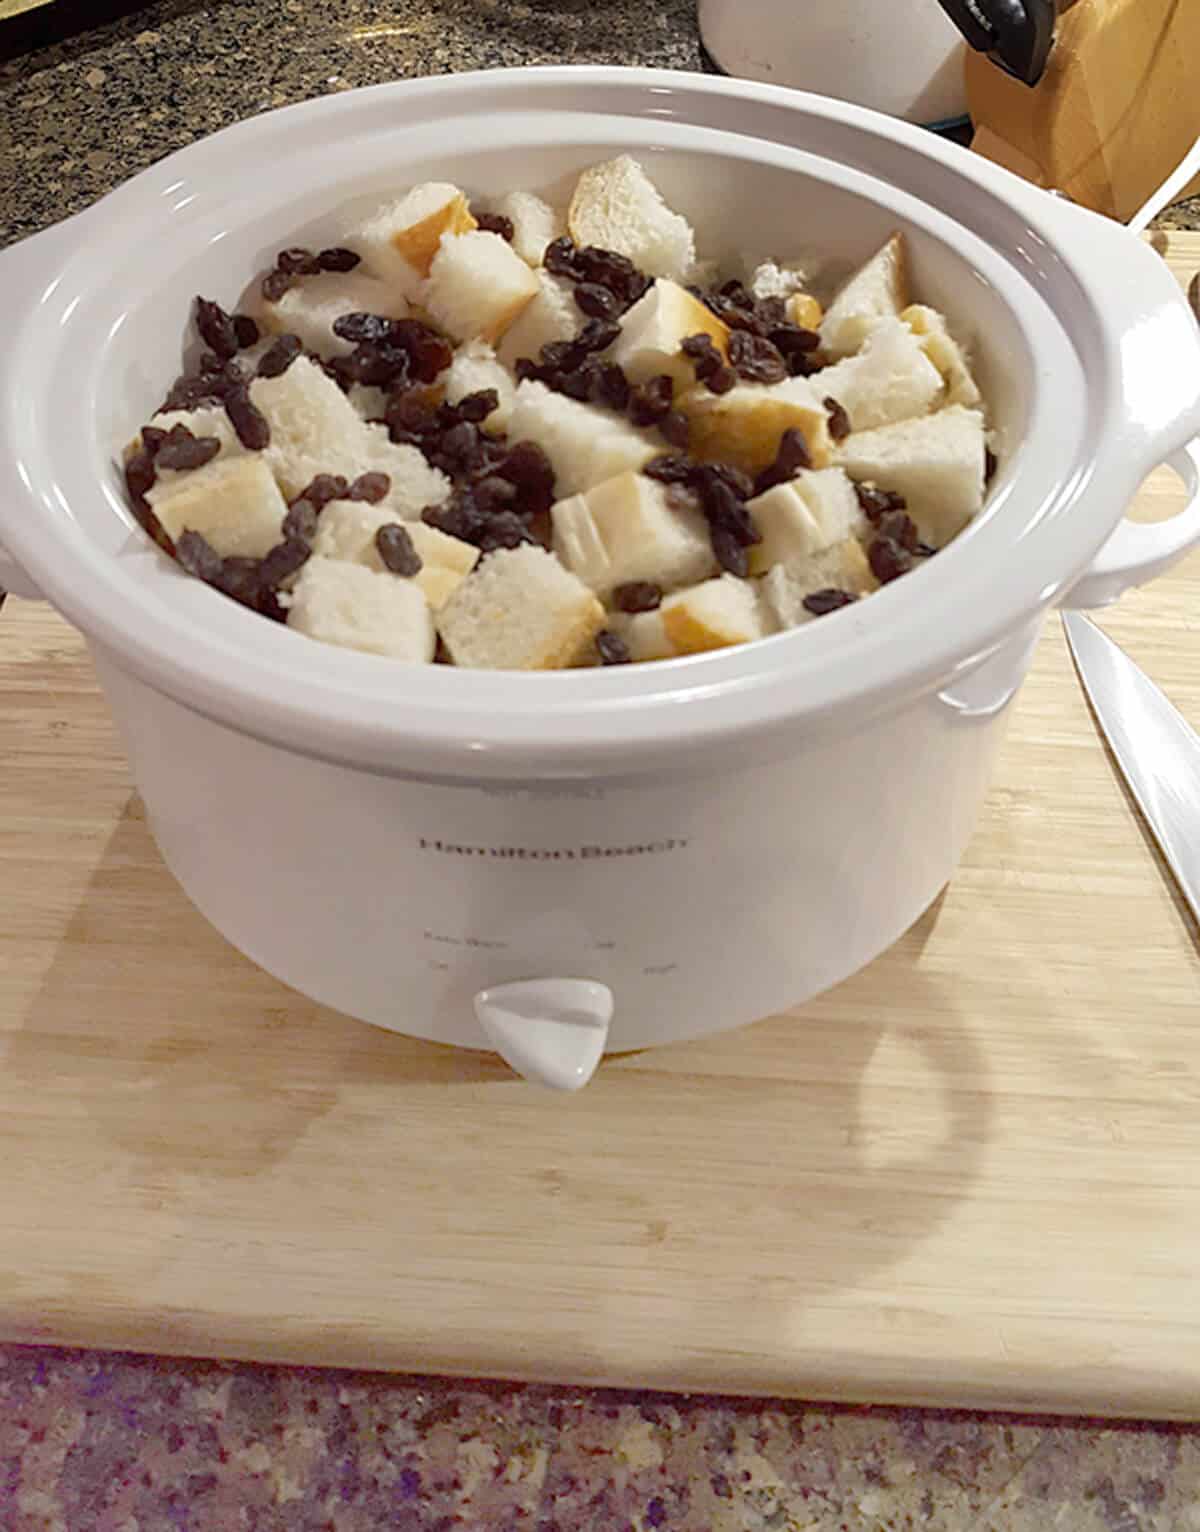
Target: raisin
(359, 327)
(496, 223)
(730, 553)
(650, 402)
(216, 329)
(597, 335)
(280, 356)
(251, 425)
(875, 503)
(595, 301)
(338, 259)
(990, 463)
(720, 380)
(139, 475)
(670, 468)
(791, 457)
(324, 488)
(559, 257)
(637, 596)
(478, 406)
(395, 547)
(888, 560)
(755, 359)
(796, 345)
(239, 579)
(612, 648)
(283, 561)
(675, 428)
(297, 262)
(300, 521)
(245, 331)
(197, 555)
(527, 466)
(701, 351)
(607, 386)
(839, 421)
(819, 602)
(924, 550)
(732, 478)
(371, 487)
(185, 450)
(275, 284)
(505, 530)
(900, 529)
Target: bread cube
(616, 206)
(415, 484)
(890, 379)
(812, 511)
(346, 531)
(936, 462)
(356, 608)
(878, 290)
(944, 352)
(655, 328)
(535, 224)
(744, 426)
(768, 279)
(644, 634)
(714, 615)
(399, 243)
(477, 286)
(552, 314)
(309, 309)
(585, 445)
(804, 310)
(234, 503)
(521, 610)
(632, 528)
(783, 588)
(474, 368)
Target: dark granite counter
(118, 1444)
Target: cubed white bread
(644, 635)
(783, 588)
(356, 608)
(744, 426)
(632, 528)
(234, 503)
(316, 429)
(878, 290)
(890, 379)
(812, 511)
(535, 224)
(713, 615)
(936, 462)
(399, 242)
(946, 354)
(477, 286)
(309, 309)
(346, 530)
(655, 328)
(551, 314)
(616, 205)
(769, 279)
(474, 369)
(521, 610)
(585, 445)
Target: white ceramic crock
(698, 842)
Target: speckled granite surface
(122, 1444)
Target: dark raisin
(702, 352)
(496, 223)
(324, 488)
(990, 463)
(275, 284)
(245, 330)
(792, 456)
(607, 386)
(297, 262)
(396, 550)
(637, 596)
(612, 648)
(839, 421)
(216, 329)
(338, 259)
(478, 406)
(888, 560)
(670, 468)
(429, 352)
(153, 438)
(875, 503)
(239, 578)
(675, 428)
(198, 556)
(269, 605)
(772, 311)
(652, 400)
(739, 483)
(924, 550)
(730, 553)
(755, 359)
(505, 530)
(720, 380)
(251, 425)
(371, 487)
(492, 493)
(186, 452)
(139, 475)
(738, 294)
(558, 258)
(899, 528)
(280, 356)
(300, 521)
(358, 327)
(527, 466)
(597, 335)
(459, 517)
(595, 301)
(797, 346)
(283, 561)
(819, 602)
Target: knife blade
(1156, 748)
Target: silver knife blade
(1156, 748)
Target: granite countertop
(126, 1444)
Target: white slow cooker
(559, 865)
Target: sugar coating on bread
(399, 242)
(891, 378)
(551, 314)
(584, 443)
(309, 309)
(810, 512)
(937, 462)
(713, 615)
(947, 354)
(631, 529)
(475, 368)
(653, 332)
(617, 207)
(744, 426)
(234, 503)
(520, 610)
(877, 290)
(535, 223)
(477, 286)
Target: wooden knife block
(1115, 112)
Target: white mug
(904, 57)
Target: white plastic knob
(551, 1031)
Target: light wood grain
(970, 1175)
(1115, 111)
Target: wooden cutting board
(968, 1176)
